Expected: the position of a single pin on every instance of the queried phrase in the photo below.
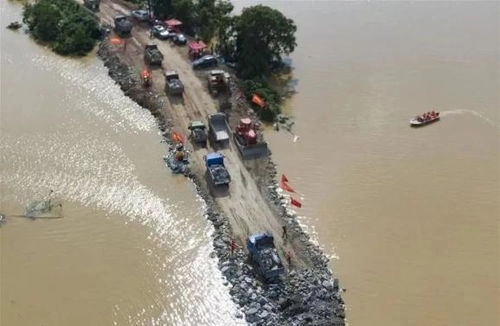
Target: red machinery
(246, 131)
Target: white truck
(218, 128)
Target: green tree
(162, 8)
(43, 20)
(64, 25)
(184, 11)
(263, 35)
(211, 16)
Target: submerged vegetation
(64, 25)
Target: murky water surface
(412, 214)
(133, 245)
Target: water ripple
(93, 81)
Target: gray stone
(251, 311)
(264, 314)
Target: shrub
(269, 95)
(64, 25)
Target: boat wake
(470, 112)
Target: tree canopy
(262, 35)
(64, 25)
(204, 16)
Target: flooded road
(412, 215)
(133, 246)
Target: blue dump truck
(217, 172)
(265, 257)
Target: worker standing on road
(284, 235)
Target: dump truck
(247, 140)
(216, 170)
(218, 128)
(218, 82)
(173, 84)
(92, 5)
(263, 254)
(198, 134)
(152, 55)
(123, 26)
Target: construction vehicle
(218, 128)
(216, 170)
(264, 256)
(123, 26)
(152, 55)
(92, 5)
(247, 140)
(198, 134)
(173, 84)
(218, 82)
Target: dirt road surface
(243, 205)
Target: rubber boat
(425, 119)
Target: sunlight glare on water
(134, 245)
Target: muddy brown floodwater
(133, 247)
(412, 215)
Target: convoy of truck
(260, 246)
